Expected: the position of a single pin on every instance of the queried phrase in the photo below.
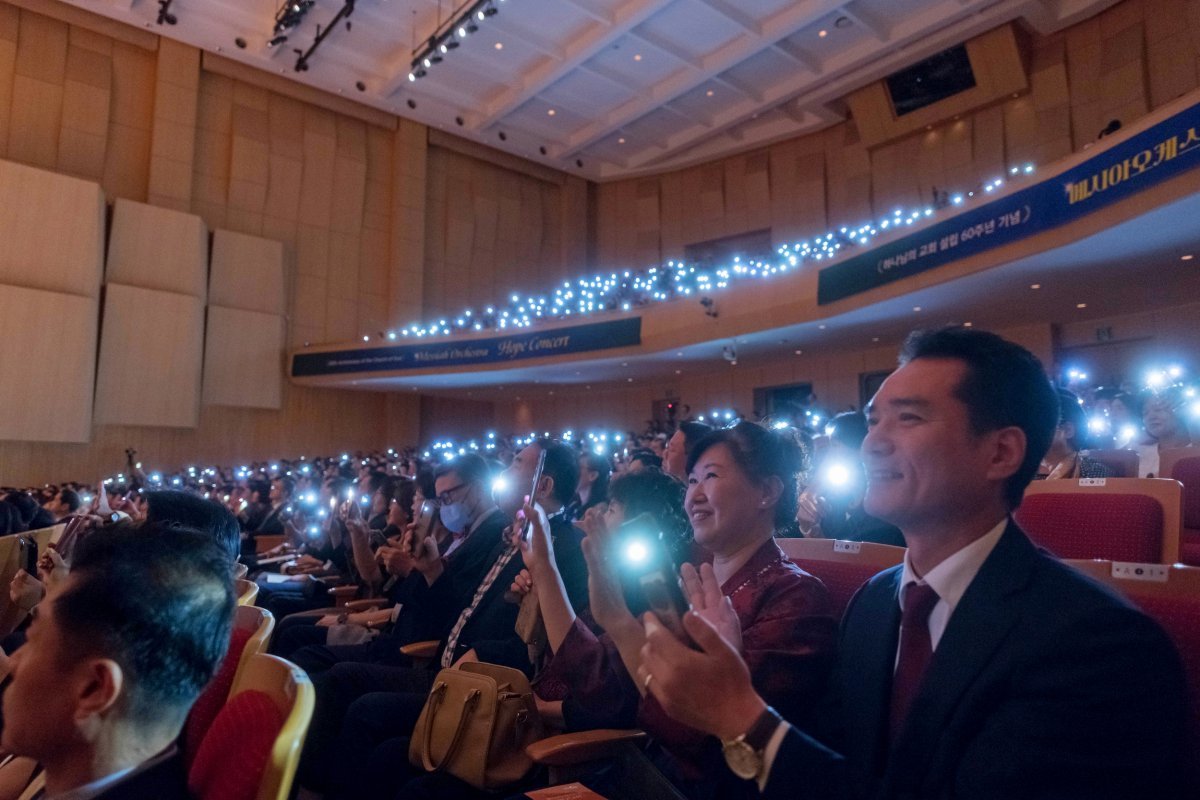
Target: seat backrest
(259, 624)
(1122, 463)
(210, 702)
(1171, 595)
(251, 750)
(44, 536)
(247, 591)
(1183, 464)
(842, 566)
(1122, 519)
(240, 570)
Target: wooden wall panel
(10, 27)
(243, 358)
(173, 141)
(157, 248)
(151, 348)
(87, 98)
(57, 333)
(247, 273)
(131, 123)
(52, 229)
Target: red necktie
(916, 649)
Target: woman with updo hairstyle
(741, 489)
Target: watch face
(743, 759)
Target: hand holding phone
(647, 573)
(422, 526)
(533, 490)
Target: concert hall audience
(1040, 683)
(742, 488)
(980, 667)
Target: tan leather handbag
(476, 724)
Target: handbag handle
(435, 699)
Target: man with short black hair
(115, 658)
(65, 503)
(981, 667)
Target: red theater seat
(1183, 465)
(842, 566)
(251, 750)
(1121, 519)
(1171, 595)
(252, 627)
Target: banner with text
(1150, 157)
(493, 350)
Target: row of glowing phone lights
(1157, 380)
(590, 295)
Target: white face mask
(455, 517)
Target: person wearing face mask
(369, 704)
(443, 574)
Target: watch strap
(763, 728)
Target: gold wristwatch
(744, 755)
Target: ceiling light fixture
(822, 33)
(1081, 305)
(289, 15)
(637, 57)
(450, 35)
(1186, 258)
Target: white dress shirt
(950, 579)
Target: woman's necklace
(757, 575)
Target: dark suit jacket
(166, 780)
(428, 612)
(1045, 684)
(491, 629)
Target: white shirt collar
(951, 578)
(99, 787)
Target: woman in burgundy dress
(741, 489)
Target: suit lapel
(979, 626)
(867, 661)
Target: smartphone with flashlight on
(537, 478)
(649, 576)
(424, 524)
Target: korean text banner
(1152, 156)
(493, 350)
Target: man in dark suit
(116, 655)
(366, 704)
(981, 666)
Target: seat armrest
(365, 605)
(342, 594)
(569, 749)
(420, 650)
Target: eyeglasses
(444, 498)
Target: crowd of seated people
(980, 667)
